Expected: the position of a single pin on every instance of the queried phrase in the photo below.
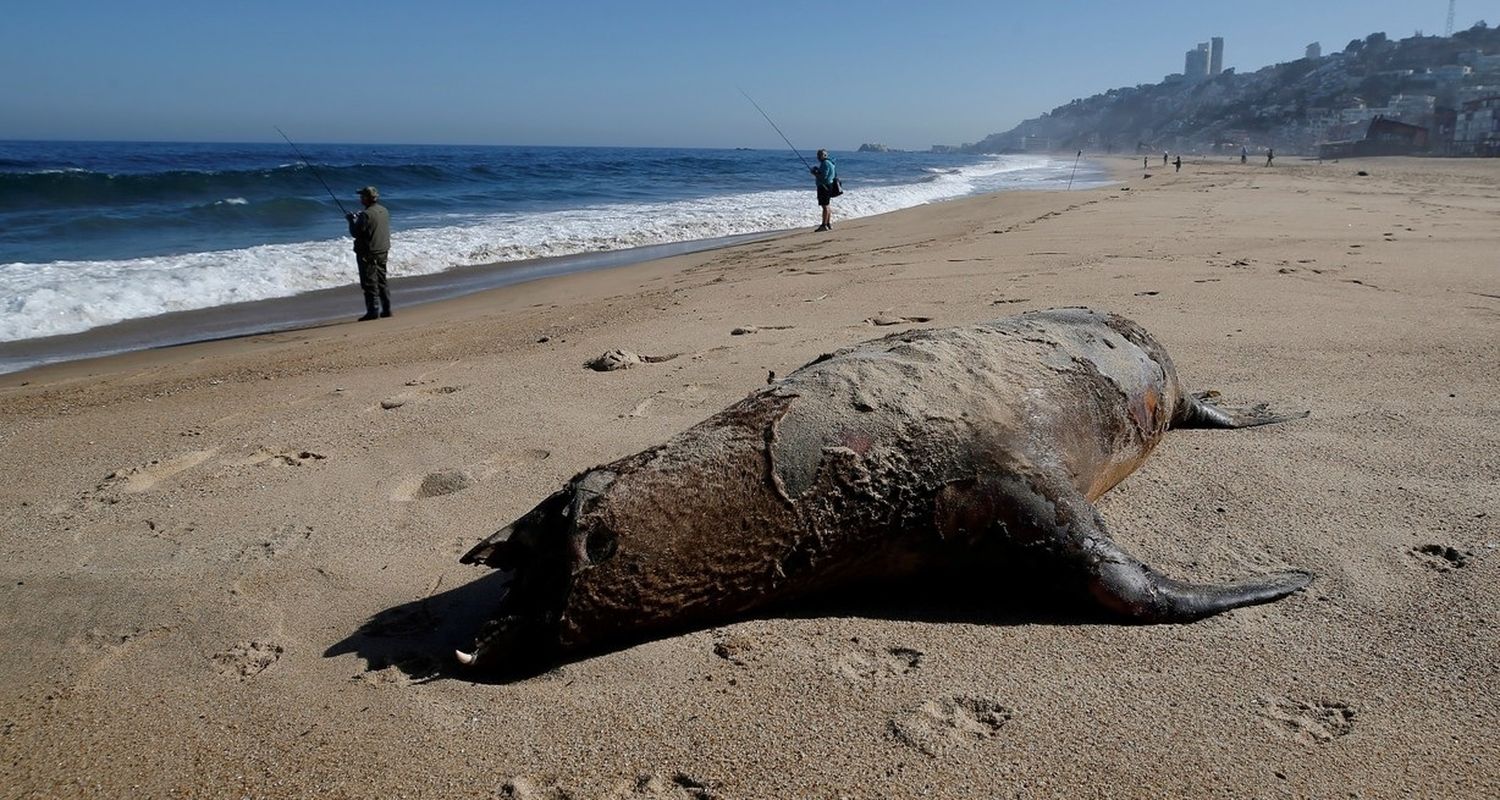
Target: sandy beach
(226, 564)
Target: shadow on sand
(418, 638)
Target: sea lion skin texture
(887, 459)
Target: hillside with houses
(1423, 94)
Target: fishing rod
(314, 171)
(778, 130)
(1075, 170)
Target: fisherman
(825, 173)
(371, 230)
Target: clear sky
(625, 72)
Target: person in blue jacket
(825, 173)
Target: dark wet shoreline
(324, 306)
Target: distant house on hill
(1384, 137)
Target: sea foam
(70, 296)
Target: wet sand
(230, 567)
(322, 307)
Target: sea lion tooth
(464, 658)
(927, 450)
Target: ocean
(97, 233)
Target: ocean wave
(81, 188)
(70, 296)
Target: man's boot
(370, 312)
(385, 303)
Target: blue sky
(643, 73)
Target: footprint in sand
(941, 726)
(446, 481)
(280, 458)
(1309, 723)
(116, 643)
(456, 479)
(397, 401)
(433, 484)
(677, 786)
(865, 664)
(247, 659)
(1441, 558)
(148, 475)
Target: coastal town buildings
(1476, 130)
(1446, 86)
(1195, 67)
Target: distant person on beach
(1178, 164)
(1270, 154)
(825, 172)
(1244, 154)
(1145, 162)
(371, 230)
(1164, 158)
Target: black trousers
(372, 281)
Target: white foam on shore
(71, 296)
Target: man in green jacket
(371, 230)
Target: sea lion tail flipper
(1051, 510)
(1126, 585)
(1198, 410)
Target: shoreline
(228, 565)
(52, 299)
(330, 306)
(324, 306)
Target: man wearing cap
(371, 230)
(825, 174)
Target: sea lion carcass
(889, 458)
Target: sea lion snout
(543, 551)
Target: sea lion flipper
(1134, 589)
(1052, 509)
(1199, 410)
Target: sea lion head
(543, 552)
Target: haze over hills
(1447, 85)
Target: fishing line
(314, 171)
(773, 124)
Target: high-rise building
(1195, 66)
(1314, 50)
(1216, 56)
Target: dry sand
(195, 538)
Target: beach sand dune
(229, 568)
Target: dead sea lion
(880, 461)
